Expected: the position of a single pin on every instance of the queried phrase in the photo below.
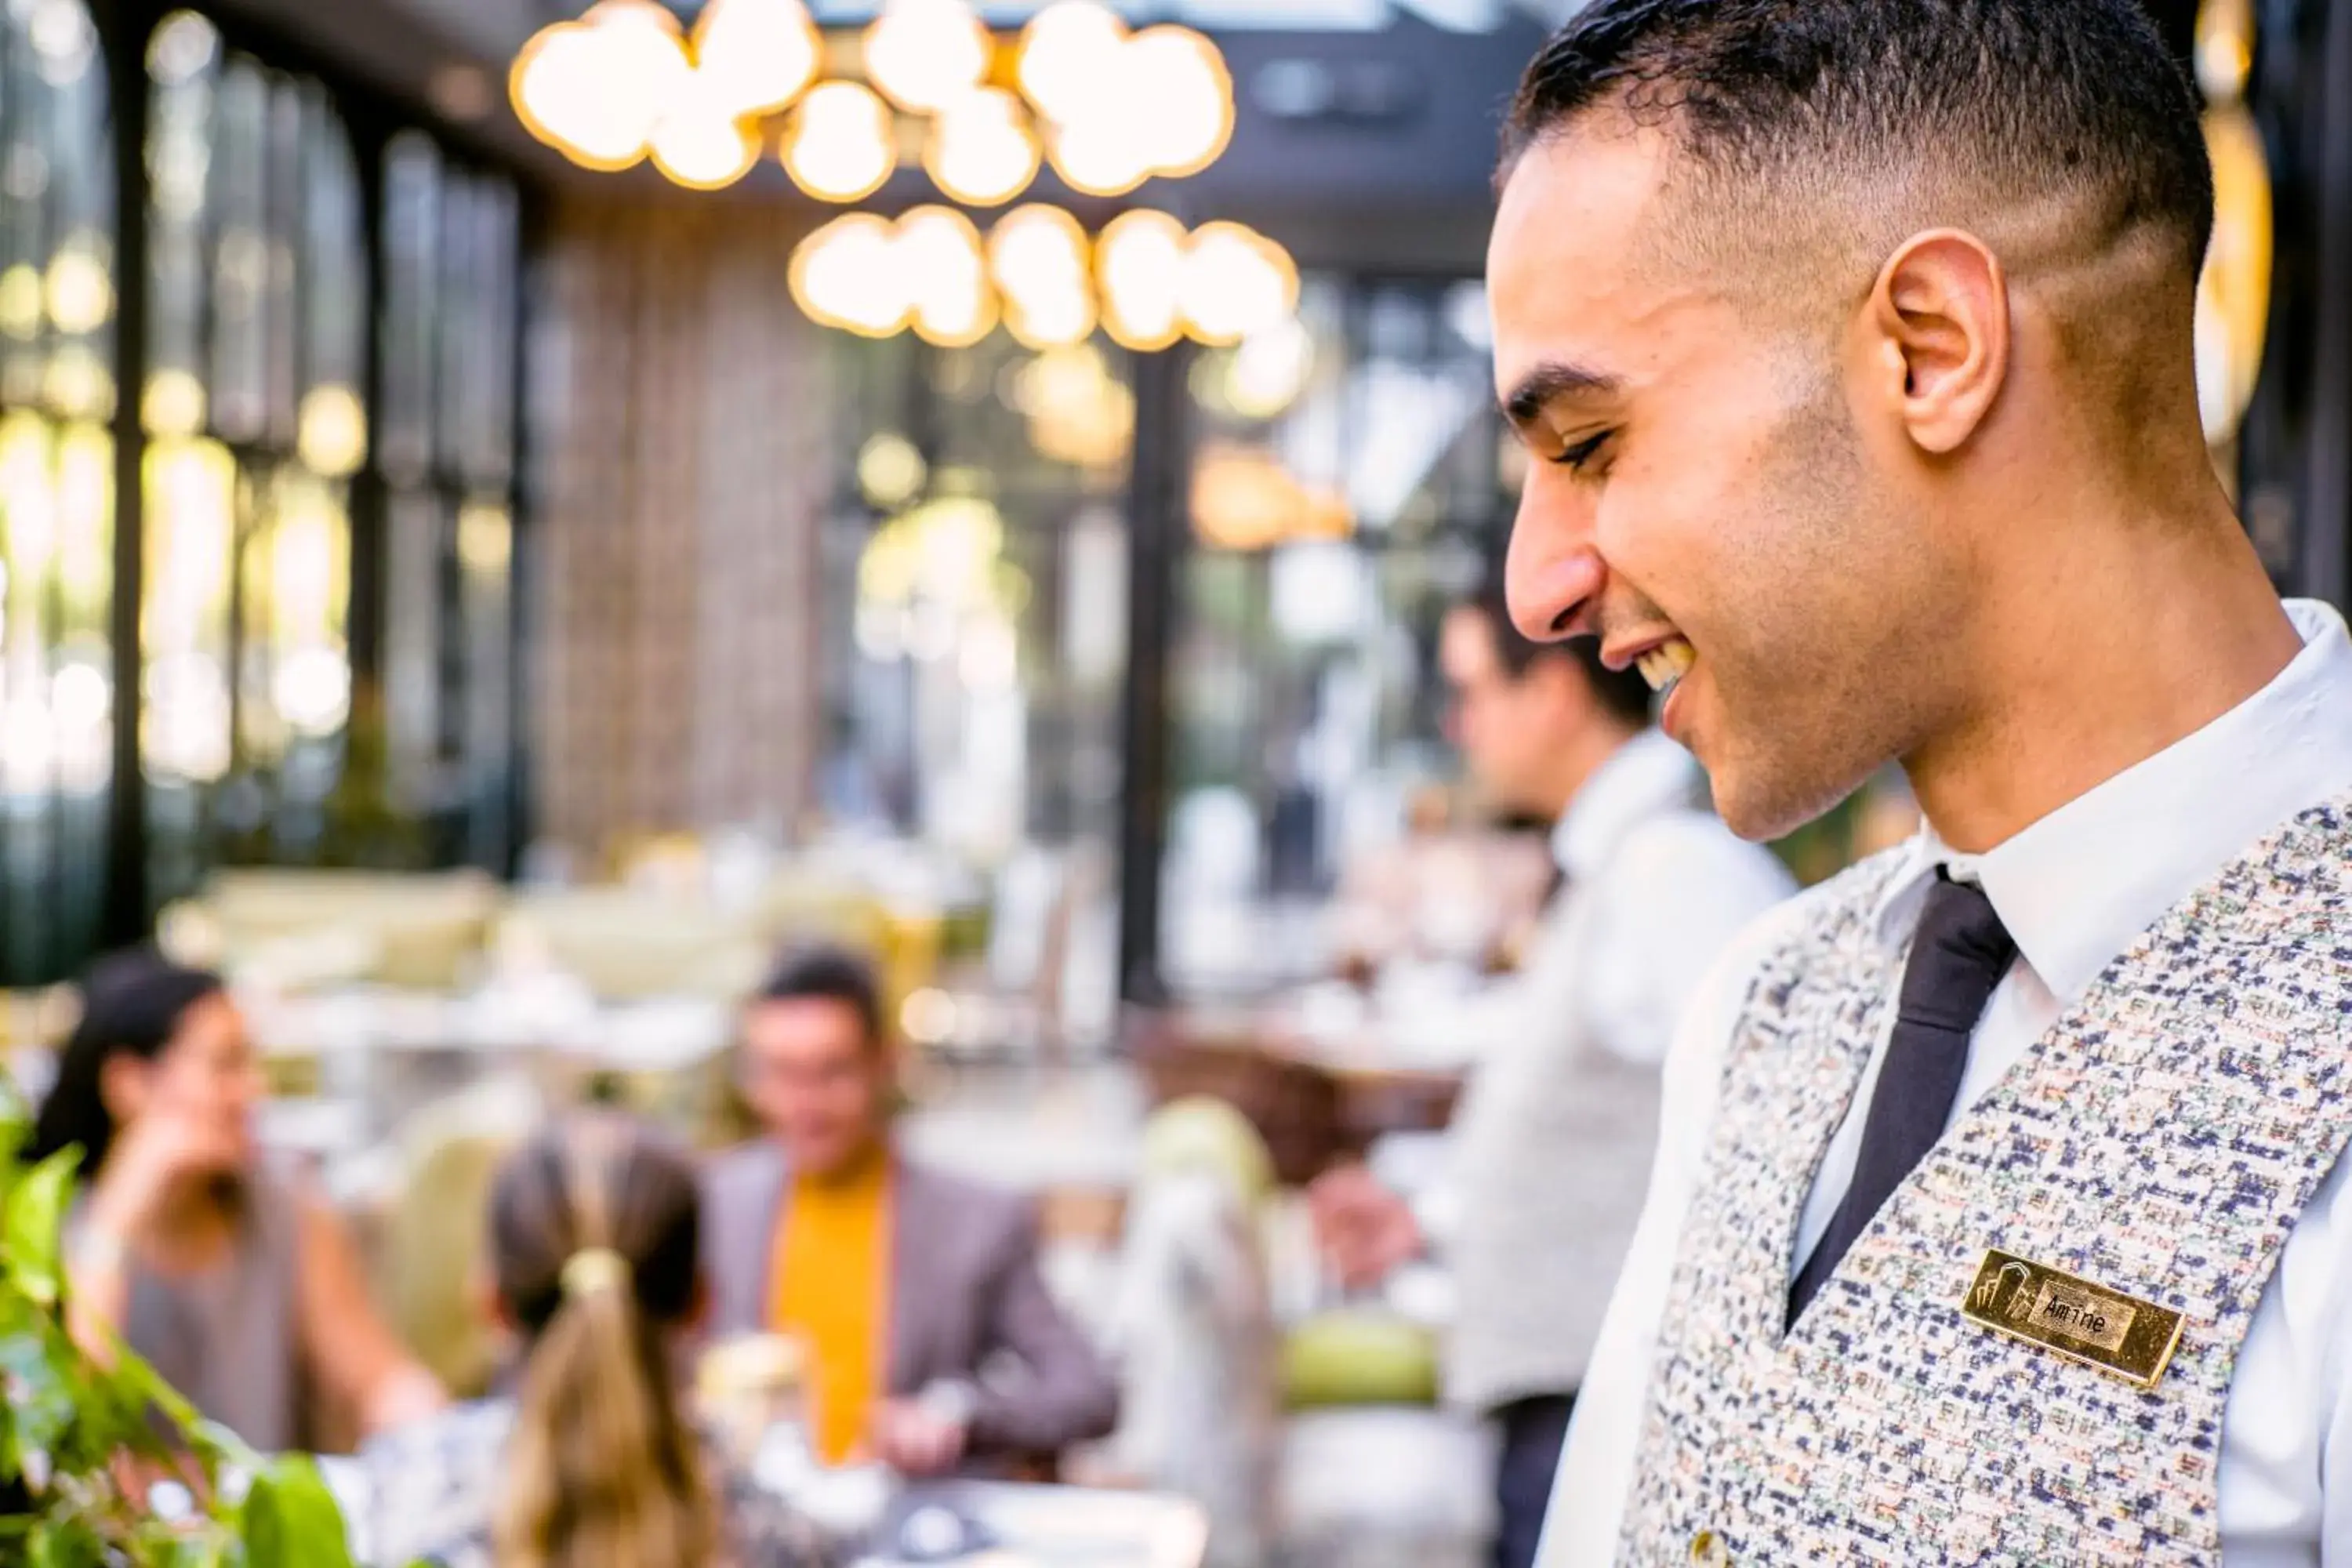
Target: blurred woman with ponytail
(592, 1460)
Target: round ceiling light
(838, 147)
(1103, 155)
(946, 276)
(980, 151)
(1181, 96)
(754, 57)
(703, 147)
(847, 274)
(1237, 282)
(1068, 50)
(1140, 262)
(925, 54)
(1038, 257)
(594, 90)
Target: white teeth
(1664, 665)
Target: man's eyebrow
(1543, 386)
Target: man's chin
(1763, 812)
(827, 1162)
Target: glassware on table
(750, 1387)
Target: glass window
(980, 554)
(261, 743)
(448, 324)
(57, 488)
(1348, 486)
(256, 426)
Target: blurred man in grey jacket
(1551, 1147)
(934, 1345)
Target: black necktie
(1959, 956)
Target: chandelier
(1107, 107)
(1146, 280)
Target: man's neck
(2157, 632)
(867, 1165)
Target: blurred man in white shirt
(1553, 1141)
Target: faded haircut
(1948, 108)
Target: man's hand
(1365, 1231)
(916, 1438)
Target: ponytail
(595, 1234)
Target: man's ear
(1938, 320)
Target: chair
(627, 945)
(449, 1156)
(418, 931)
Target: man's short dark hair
(2016, 98)
(1622, 692)
(820, 971)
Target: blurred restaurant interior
(490, 561)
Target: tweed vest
(2160, 1140)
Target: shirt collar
(1646, 775)
(2076, 887)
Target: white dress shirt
(1675, 889)
(1551, 1146)
(2074, 891)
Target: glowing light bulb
(595, 88)
(1079, 412)
(552, 86)
(22, 301)
(754, 57)
(647, 70)
(847, 274)
(173, 404)
(1038, 257)
(80, 296)
(642, 21)
(980, 151)
(1237, 282)
(703, 147)
(1125, 108)
(890, 469)
(924, 54)
(1180, 96)
(1140, 263)
(946, 278)
(838, 146)
(184, 46)
(1067, 52)
(331, 430)
(1106, 154)
(1270, 370)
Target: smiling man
(1998, 1212)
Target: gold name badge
(2102, 1328)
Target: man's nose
(1554, 574)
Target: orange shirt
(831, 1278)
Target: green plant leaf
(70, 1543)
(29, 1232)
(141, 1388)
(43, 1395)
(73, 1420)
(290, 1519)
